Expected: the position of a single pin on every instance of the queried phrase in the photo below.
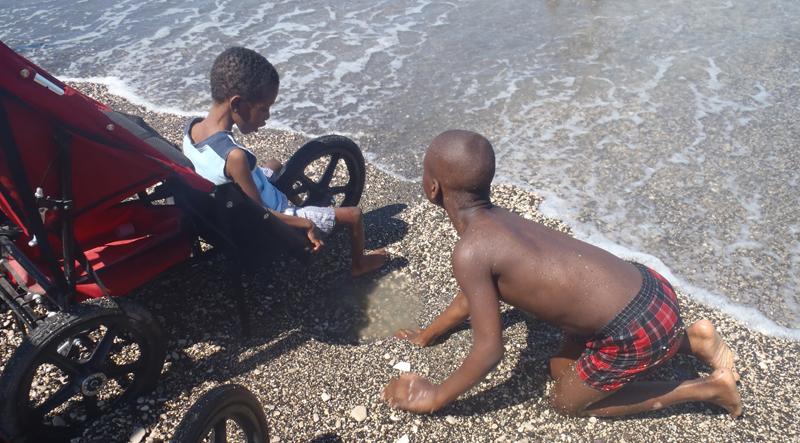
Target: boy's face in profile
(251, 115)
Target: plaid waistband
(649, 293)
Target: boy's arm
(412, 392)
(455, 314)
(238, 168)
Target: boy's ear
(435, 192)
(234, 102)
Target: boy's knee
(351, 213)
(563, 404)
(273, 164)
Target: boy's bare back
(546, 273)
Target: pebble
(450, 419)
(403, 366)
(359, 413)
(325, 396)
(137, 435)
(403, 439)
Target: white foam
(119, 88)
(556, 207)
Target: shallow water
(660, 127)
(384, 303)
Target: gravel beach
(321, 350)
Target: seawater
(663, 130)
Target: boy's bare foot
(412, 335)
(709, 346)
(724, 391)
(369, 262)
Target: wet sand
(312, 359)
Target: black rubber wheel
(326, 171)
(210, 418)
(77, 365)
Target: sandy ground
(320, 346)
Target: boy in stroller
(244, 85)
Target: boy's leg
(704, 342)
(362, 263)
(572, 396)
(571, 349)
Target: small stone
(325, 396)
(359, 413)
(450, 419)
(403, 439)
(386, 356)
(315, 417)
(137, 435)
(394, 417)
(58, 421)
(403, 366)
(592, 420)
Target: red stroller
(94, 204)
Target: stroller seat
(138, 243)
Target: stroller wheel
(326, 171)
(75, 366)
(225, 413)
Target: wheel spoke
(329, 170)
(114, 370)
(70, 367)
(305, 184)
(103, 347)
(221, 432)
(90, 406)
(339, 190)
(59, 398)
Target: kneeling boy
(619, 318)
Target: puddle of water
(378, 306)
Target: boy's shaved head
(461, 161)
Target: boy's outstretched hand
(411, 392)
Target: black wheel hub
(92, 384)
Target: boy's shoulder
(473, 249)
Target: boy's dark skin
(578, 287)
(249, 115)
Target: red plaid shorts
(643, 335)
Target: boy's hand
(315, 237)
(414, 336)
(413, 393)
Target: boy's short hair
(241, 71)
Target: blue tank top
(209, 156)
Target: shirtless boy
(619, 318)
